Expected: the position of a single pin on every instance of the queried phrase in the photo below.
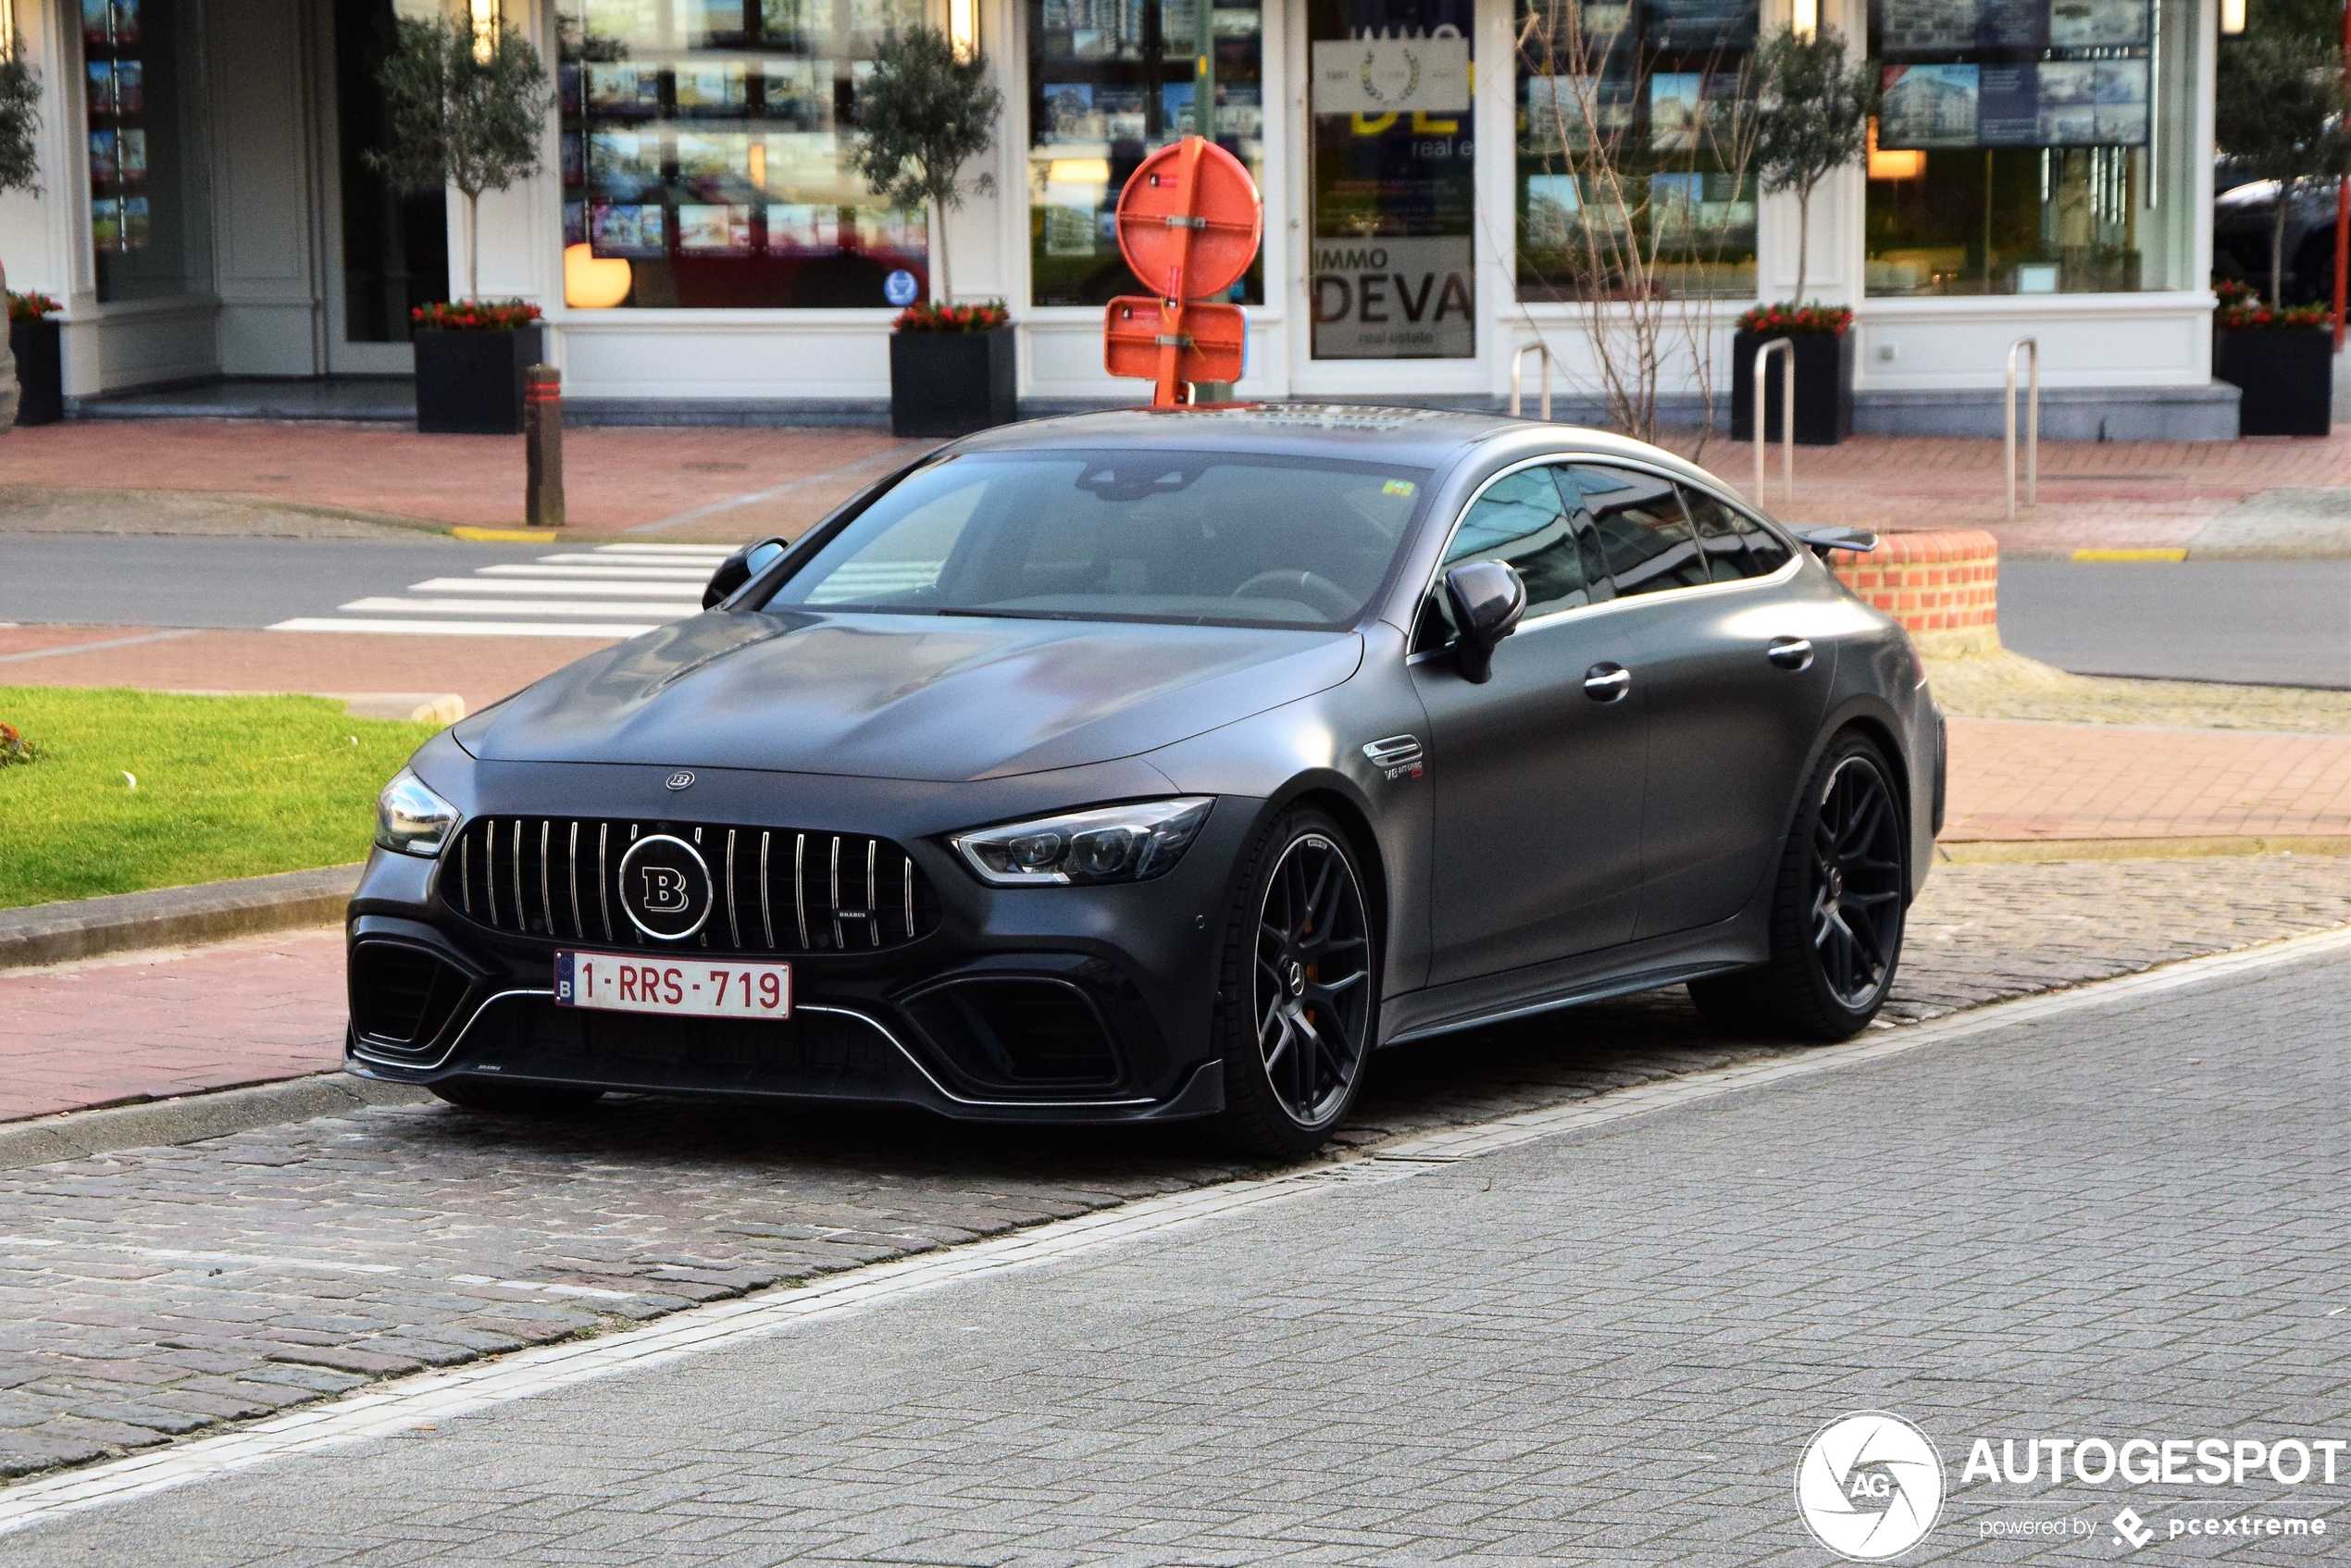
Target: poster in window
(124, 22)
(625, 230)
(1122, 113)
(1695, 26)
(2082, 24)
(97, 31)
(134, 223)
(623, 89)
(101, 89)
(793, 23)
(1675, 102)
(623, 165)
(2068, 92)
(105, 223)
(797, 228)
(129, 87)
(713, 229)
(575, 223)
(130, 156)
(1067, 114)
(1562, 109)
(2121, 92)
(626, 21)
(103, 169)
(708, 159)
(2008, 111)
(1928, 107)
(710, 90)
(799, 92)
(1942, 26)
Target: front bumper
(1057, 1005)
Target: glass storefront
(2012, 152)
(1108, 82)
(1393, 273)
(1617, 155)
(395, 243)
(706, 144)
(146, 209)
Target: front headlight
(1107, 845)
(411, 818)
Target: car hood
(920, 697)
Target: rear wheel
(516, 1098)
(1837, 910)
(1300, 995)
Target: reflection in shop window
(1108, 82)
(1669, 71)
(146, 210)
(2014, 151)
(708, 144)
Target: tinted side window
(1718, 536)
(1642, 530)
(1522, 519)
(1765, 553)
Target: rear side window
(1641, 528)
(1765, 553)
(1724, 537)
(1523, 519)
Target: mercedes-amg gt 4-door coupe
(1166, 764)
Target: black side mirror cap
(1488, 600)
(1822, 542)
(739, 568)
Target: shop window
(2013, 149)
(1108, 82)
(395, 243)
(1616, 110)
(707, 144)
(146, 210)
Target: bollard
(543, 438)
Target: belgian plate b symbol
(664, 888)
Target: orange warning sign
(1189, 221)
(1207, 340)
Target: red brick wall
(1947, 581)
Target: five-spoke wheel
(1303, 964)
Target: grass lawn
(227, 787)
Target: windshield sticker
(1398, 486)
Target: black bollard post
(542, 435)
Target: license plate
(693, 987)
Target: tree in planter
(921, 116)
(20, 118)
(2279, 108)
(1812, 118)
(466, 112)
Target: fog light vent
(402, 996)
(1019, 1032)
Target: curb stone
(76, 1135)
(58, 933)
(1982, 851)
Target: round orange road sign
(1189, 220)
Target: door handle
(1790, 653)
(1607, 682)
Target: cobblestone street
(1606, 1346)
(155, 1292)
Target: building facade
(704, 249)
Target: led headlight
(411, 818)
(1107, 845)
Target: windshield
(1207, 538)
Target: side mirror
(1487, 598)
(1821, 540)
(739, 568)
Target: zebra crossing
(613, 590)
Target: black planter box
(951, 383)
(40, 373)
(469, 383)
(1824, 388)
(2287, 376)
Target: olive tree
(1812, 118)
(466, 111)
(20, 118)
(921, 116)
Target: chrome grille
(776, 890)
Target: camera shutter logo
(1869, 1486)
(664, 888)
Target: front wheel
(1300, 993)
(1837, 910)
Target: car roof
(1421, 437)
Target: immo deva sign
(1394, 249)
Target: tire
(516, 1098)
(1837, 909)
(1298, 1000)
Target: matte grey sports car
(1154, 765)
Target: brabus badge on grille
(679, 779)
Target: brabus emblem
(679, 779)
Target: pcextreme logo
(1869, 1486)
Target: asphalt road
(2285, 623)
(1612, 1344)
(178, 581)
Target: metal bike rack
(1518, 364)
(2031, 428)
(1787, 414)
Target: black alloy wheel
(1837, 909)
(1301, 993)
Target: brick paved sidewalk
(2017, 780)
(2123, 493)
(753, 480)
